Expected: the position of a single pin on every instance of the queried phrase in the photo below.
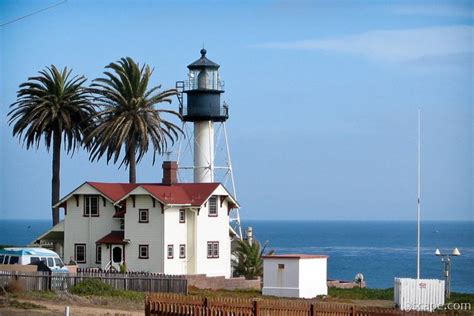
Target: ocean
(380, 250)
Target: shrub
(15, 286)
(90, 287)
(93, 287)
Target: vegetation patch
(361, 293)
(24, 305)
(38, 295)
(95, 287)
(462, 298)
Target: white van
(25, 256)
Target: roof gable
(193, 194)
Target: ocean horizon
(379, 249)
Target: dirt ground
(77, 306)
(82, 306)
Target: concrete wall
(201, 281)
(304, 278)
(281, 282)
(313, 277)
(87, 230)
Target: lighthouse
(203, 109)
(204, 118)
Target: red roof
(180, 193)
(113, 191)
(295, 256)
(115, 237)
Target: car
(26, 256)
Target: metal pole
(418, 203)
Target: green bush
(93, 287)
(96, 287)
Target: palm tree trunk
(132, 166)
(55, 183)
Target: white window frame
(213, 206)
(88, 205)
(98, 253)
(145, 211)
(140, 255)
(182, 251)
(212, 249)
(170, 251)
(76, 247)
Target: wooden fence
(142, 282)
(177, 305)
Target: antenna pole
(418, 201)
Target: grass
(25, 305)
(225, 293)
(462, 298)
(37, 295)
(361, 293)
(94, 287)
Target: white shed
(418, 294)
(295, 275)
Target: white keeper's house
(168, 227)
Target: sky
(323, 98)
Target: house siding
(175, 234)
(211, 228)
(150, 234)
(87, 230)
(162, 229)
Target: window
(182, 251)
(1, 259)
(14, 259)
(281, 266)
(143, 251)
(182, 216)
(50, 262)
(213, 206)
(170, 251)
(98, 253)
(143, 215)
(91, 205)
(34, 259)
(80, 253)
(7, 258)
(58, 262)
(213, 249)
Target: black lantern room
(203, 89)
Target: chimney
(170, 169)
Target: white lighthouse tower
(204, 111)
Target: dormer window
(213, 206)
(91, 205)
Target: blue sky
(323, 98)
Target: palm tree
(56, 107)
(127, 118)
(249, 262)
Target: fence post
(312, 310)
(147, 306)
(353, 310)
(256, 309)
